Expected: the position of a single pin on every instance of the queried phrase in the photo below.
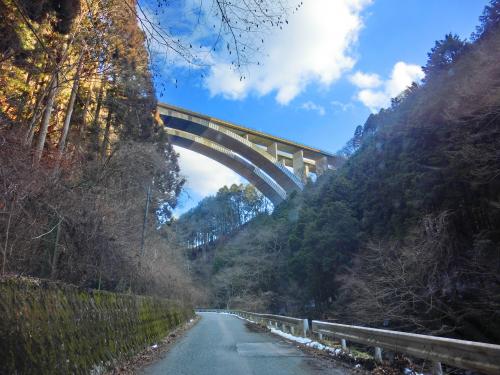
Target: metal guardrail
(457, 353)
(295, 326)
(463, 354)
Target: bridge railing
(463, 354)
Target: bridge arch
(261, 158)
(226, 157)
(203, 126)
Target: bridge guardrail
(463, 354)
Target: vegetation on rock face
(406, 233)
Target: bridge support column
(321, 165)
(299, 167)
(273, 150)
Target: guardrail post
(305, 325)
(436, 368)
(378, 355)
(344, 344)
(292, 330)
(320, 335)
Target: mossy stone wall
(54, 328)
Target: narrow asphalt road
(221, 344)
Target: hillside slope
(406, 234)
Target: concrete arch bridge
(263, 159)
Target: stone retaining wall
(53, 328)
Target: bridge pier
(300, 169)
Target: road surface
(221, 344)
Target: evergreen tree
(443, 54)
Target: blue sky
(337, 61)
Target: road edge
(153, 353)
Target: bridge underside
(226, 157)
(229, 144)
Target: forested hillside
(406, 234)
(87, 176)
(216, 217)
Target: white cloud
(343, 106)
(311, 106)
(402, 76)
(375, 100)
(365, 80)
(204, 176)
(315, 47)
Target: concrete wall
(53, 328)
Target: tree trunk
(7, 232)
(71, 105)
(105, 140)
(83, 125)
(95, 125)
(44, 127)
(144, 222)
(55, 255)
(37, 112)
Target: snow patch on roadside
(409, 371)
(308, 342)
(314, 344)
(298, 339)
